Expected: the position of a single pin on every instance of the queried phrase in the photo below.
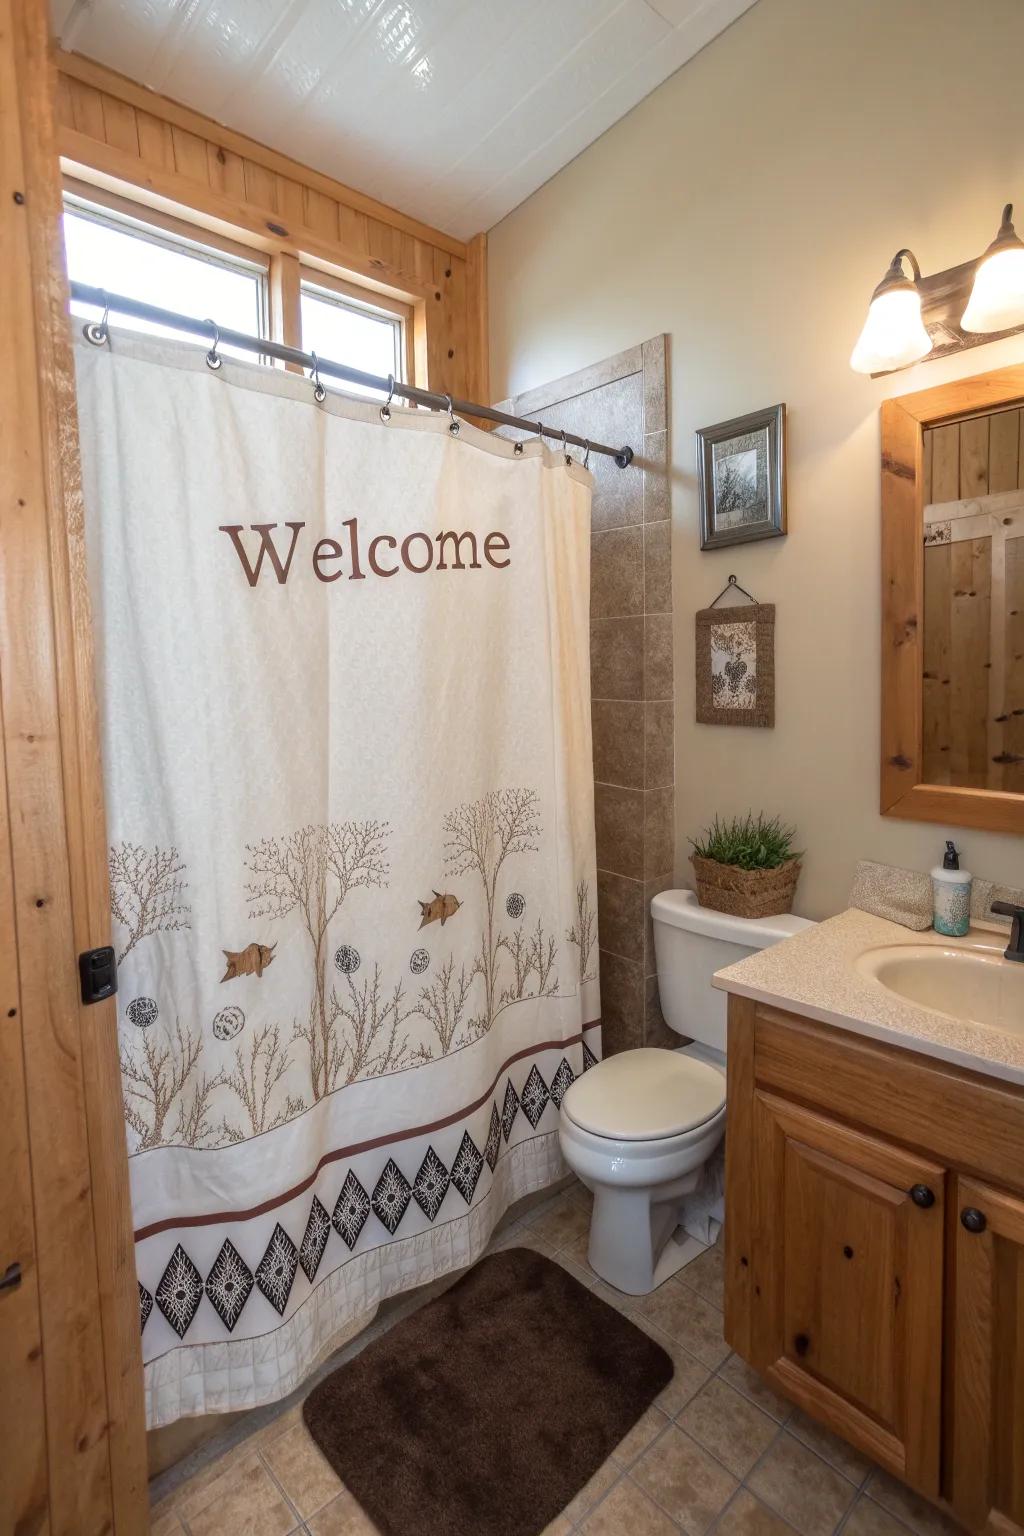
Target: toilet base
(635, 1243)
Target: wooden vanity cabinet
(987, 1359)
(874, 1243)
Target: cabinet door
(987, 1441)
(847, 1260)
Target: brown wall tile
(618, 729)
(665, 882)
(658, 831)
(657, 486)
(617, 573)
(658, 568)
(622, 1003)
(619, 818)
(655, 384)
(659, 746)
(617, 658)
(620, 915)
(658, 670)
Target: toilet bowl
(639, 1127)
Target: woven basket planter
(745, 892)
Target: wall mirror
(953, 603)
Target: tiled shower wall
(623, 400)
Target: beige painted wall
(748, 207)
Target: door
(986, 1473)
(847, 1260)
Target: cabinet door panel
(847, 1283)
(987, 1461)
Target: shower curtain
(344, 687)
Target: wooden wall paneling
(935, 746)
(91, 1359)
(1004, 452)
(946, 463)
(478, 381)
(974, 436)
(970, 635)
(1013, 706)
(23, 1492)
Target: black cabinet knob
(973, 1219)
(922, 1196)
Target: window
(364, 333)
(143, 261)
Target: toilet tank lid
(681, 909)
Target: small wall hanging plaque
(736, 663)
(741, 470)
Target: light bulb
(997, 298)
(894, 333)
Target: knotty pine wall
(120, 136)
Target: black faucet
(1015, 949)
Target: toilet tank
(691, 943)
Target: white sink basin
(968, 981)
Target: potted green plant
(746, 866)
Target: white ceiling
(452, 110)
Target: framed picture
(741, 471)
(736, 665)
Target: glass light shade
(997, 298)
(893, 334)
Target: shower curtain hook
(539, 431)
(213, 358)
(98, 334)
(385, 410)
(565, 449)
(453, 425)
(586, 456)
(319, 389)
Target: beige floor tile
(585, 1275)
(627, 1511)
(684, 1480)
(245, 1502)
(728, 1425)
(617, 1299)
(838, 1453)
(591, 1493)
(562, 1222)
(869, 1519)
(909, 1507)
(801, 1487)
(558, 1527)
(166, 1525)
(747, 1516)
(304, 1473)
(689, 1374)
(342, 1517)
(745, 1379)
(706, 1275)
(690, 1319)
(525, 1237)
(647, 1428)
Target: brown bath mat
(485, 1412)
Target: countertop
(814, 974)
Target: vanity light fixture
(911, 318)
(894, 335)
(997, 298)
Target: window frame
(353, 296)
(157, 228)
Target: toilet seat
(645, 1095)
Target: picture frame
(741, 474)
(735, 665)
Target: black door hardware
(973, 1219)
(98, 971)
(11, 1277)
(922, 1196)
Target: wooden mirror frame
(904, 421)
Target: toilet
(638, 1128)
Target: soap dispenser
(951, 896)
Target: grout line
(299, 1520)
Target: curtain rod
(209, 331)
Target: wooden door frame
(55, 849)
(903, 792)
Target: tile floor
(718, 1451)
